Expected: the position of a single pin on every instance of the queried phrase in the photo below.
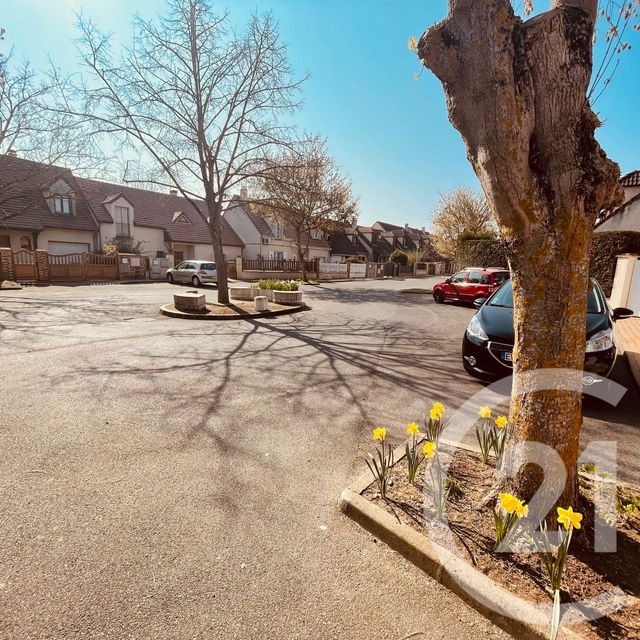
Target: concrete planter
(268, 293)
(190, 301)
(243, 293)
(287, 297)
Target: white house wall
(626, 220)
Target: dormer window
(62, 204)
(180, 218)
(123, 221)
(277, 231)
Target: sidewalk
(628, 334)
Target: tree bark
(215, 232)
(303, 271)
(516, 91)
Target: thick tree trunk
(303, 271)
(215, 232)
(516, 91)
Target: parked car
(488, 341)
(472, 283)
(197, 272)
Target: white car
(195, 272)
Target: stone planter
(268, 293)
(243, 293)
(287, 297)
(191, 301)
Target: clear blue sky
(388, 131)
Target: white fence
(336, 268)
(358, 270)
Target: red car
(472, 283)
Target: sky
(387, 130)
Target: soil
(587, 574)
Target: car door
(474, 287)
(183, 273)
(457, 284)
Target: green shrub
(277, 285)
(605, 248)
(399, 257)
(481, 253)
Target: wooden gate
(98, 267)
(66, 267)
(25, 266)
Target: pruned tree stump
(192, 301)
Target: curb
(169, 310)
(470, 585)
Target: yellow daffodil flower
(438, 406)
(435, 415)
(429, 449)
(413, 429)
(379, 433)
(569, 518)
(510, 503)
(501, 422)
(522, 510)
(485, 412)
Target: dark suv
(472, 283)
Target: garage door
(62, 248)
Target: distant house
(627, 216)
(264, 237)
(347, 245)
(47, 207)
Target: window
(500, 277)
(277, 230)
(5, 241)
(459, 277)
(25, 243)
(123, 226)
(316, 234)
(475, 277)
(62, 204)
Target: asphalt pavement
(174, 479)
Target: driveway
(173, 479)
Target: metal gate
(98, 267)
(25, 266)
(66, 267)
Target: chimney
(424, 229)
(406, 225)
(173, 192)
(243, 193)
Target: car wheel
(195, 281)
(170, 278)
(438, 296)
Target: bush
(277, 285)
(605, 248)
(481, 253)
(122, 244)
(399, 257)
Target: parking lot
(173, 479)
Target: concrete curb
(169, 310)
(470, 585)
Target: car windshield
(504, 298)
(208, 266)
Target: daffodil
(508, 502)
(522, 510)
(501, 422)
(379, 433)
(435, 415)
(485, 412)
(429, 449)
(413, 429)
(569, 518)
(438, 406)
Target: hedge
(605, 247)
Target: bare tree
(517, 92)
(459, 213)
(199, 105)
(306, 191)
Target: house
(47, 207)
(627, 216)
(264, 237)
(347, 245)
(43, 207)
(165, 223)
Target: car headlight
(601, 341)
(475, 332)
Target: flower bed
(451, 485)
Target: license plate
(506, 356)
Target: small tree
(459, 213)
(197, 102)
(399, 257)
(122, 244)
(306, 191)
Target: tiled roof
(290, 233)
(631, 179)
(341, 245)
(156, 210)
(22, 202)
(386, 226)
(259, 222)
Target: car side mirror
(448, 280)
(620, 313)
(478, 302)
